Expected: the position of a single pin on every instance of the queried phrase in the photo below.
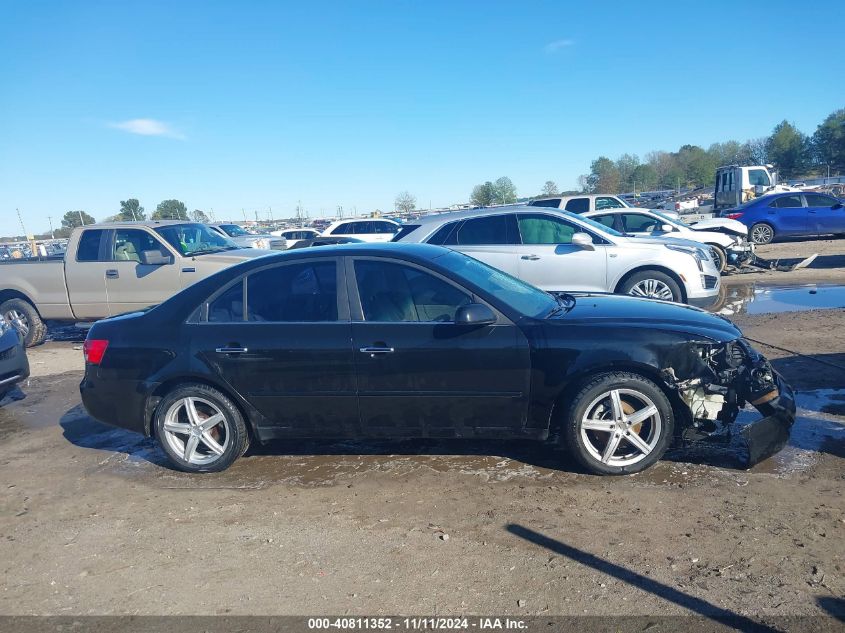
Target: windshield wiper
(565, 302)
(208, 251)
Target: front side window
(607, 219)
(384, 227)
(606, 202)
(818, 200)
(392, 292)
(490, 230)
(344, 229)
(296, 293)
(640, 223)
(130, 243)
(786, 202)
(194, 239)
(228, 307)
(545, 229)
(758, 177)
(89, 245)
(233, 230)
(578, 205)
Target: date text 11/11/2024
(417, 623)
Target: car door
(491, 239)
(419, 373)
(788, 215)
(132, 284)
(825, 214)
(642, 224)
(280, 337)
(85, 275)
(549, 260)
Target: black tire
(639, 394)
(720, 257)
(764, 233)
(24, 315)
(232, 430)
(632, 284)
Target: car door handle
(532, 258)
(231, 350)
(111, 273)
(376, 350)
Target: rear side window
(496, 229)
(578, 205)
(384, 227)
(89, 245)
(443, 234)
(406, 229)
(553, 203)
(786, 202)
(297, 293)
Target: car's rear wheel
(618, 423)
(23, 315)
(762, 233)
(200, 429)
(653, 284)
(720, 257)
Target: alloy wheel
(762, 234)
(19, 320)
(197, 430)
(652, 289)
(621, 427)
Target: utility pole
(244, 212)
(213, 217)
(21, 221)
(81, 219)
(52, 234)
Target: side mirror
(155, 258)
(475, 314)
(583, 240)
(667, 228)
(838, 205)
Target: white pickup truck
(110, 269)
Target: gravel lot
(92, 522)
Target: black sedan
(408, 341)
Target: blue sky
(257, 105)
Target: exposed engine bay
(722, 379)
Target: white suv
(560, 251)
(374, 230)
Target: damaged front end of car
(716, 381)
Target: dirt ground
(93, 522)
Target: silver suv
(560, 251)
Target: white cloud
(148, 127)
(554, 47)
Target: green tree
(199, 216)
(72, 219)
(789, 150)
(625, 165)
(483, 195)
(644, 177)
(829, 142)
(603, 177)
(549, 188)
(405, 202)
(505, 191)
(753, 152)
(131, 210)
(170, 210)
(696, 165)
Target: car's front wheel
(720, 257)
(653, 284)
(200, 429)
(762, 233)
(618, 423)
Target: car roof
(442, 218)
(363, 249)
(345, 220)
(137, 223)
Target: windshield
(669, 220)
(194, 239)
(233, 230)
(519, 295)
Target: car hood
(238, 255)
(660, 241)
(619, 312)
(721, 225)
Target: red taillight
(94, 349)
(733, 216)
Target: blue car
(794, 214)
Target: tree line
(793, 153)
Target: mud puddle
(759, 298)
